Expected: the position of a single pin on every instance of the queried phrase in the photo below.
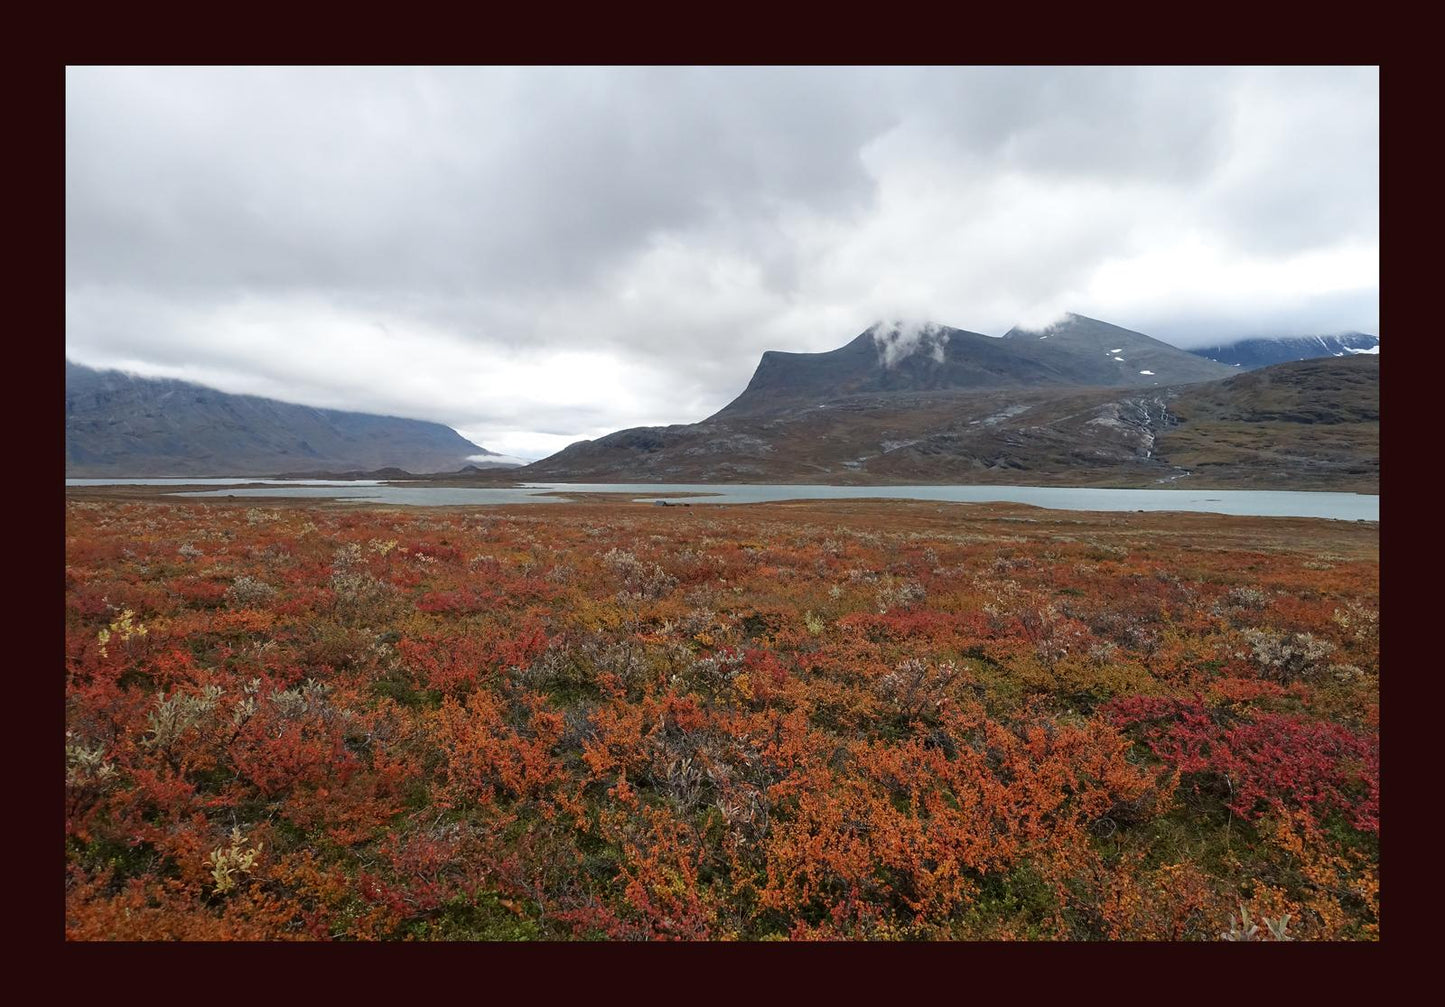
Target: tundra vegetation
(797, 721)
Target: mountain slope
(1251, 353)
(944, 436)
(1310, 423)
(117, 424)
(882, 361)
(1098, 353)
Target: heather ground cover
(812, 720)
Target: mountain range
(118, 424)
(1261, 352)
(1079, 402)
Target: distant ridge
(394, 474)
(118, 424)
(1248, 354)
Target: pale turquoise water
(229, 481)
(1255, 503)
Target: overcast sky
(535, 256)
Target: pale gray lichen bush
(1288, 658)
(647, 580)
(247, 592)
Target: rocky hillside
(1310, 424)
(117, 424)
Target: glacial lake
(1248, 503)
(229, 481)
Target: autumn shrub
(1267, 761)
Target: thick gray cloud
(534, 256)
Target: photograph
(722, 503)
